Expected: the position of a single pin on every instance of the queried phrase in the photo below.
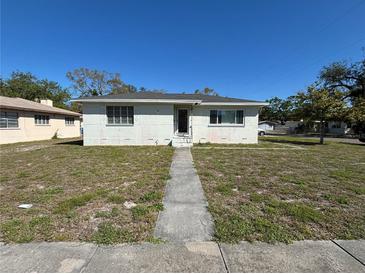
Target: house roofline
(234, 104)
(169, 101)
(58, 112)
(111, 100)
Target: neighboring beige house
(23, 120)
(148, 118)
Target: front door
(182, 120)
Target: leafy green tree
(277, 110)
(349, 78)
(27, 86)
(356, 114)
(74, 106)
(319, 104)
(206, 91)
(88, 82)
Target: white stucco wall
(204, 132)
(153, 125)
(29, 131)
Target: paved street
(303, 256)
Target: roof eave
(40, 110)
(168, 101)
(234, 104)
(160, 101)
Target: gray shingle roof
(169, 96)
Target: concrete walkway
(185, 217)
(303, 256)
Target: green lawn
(270, 195)
(78, 192)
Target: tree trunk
(321, 133)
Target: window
(69, 121)
(336, 125)
(8, 119)
(41, 119)
(226, 117)
(120, 115)
(213, 116)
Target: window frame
(45, 119)
(69, 121)
(124, 117)
(336, 124)
(6, 119)
(218, 117)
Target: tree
(90, 82)
(206, 91)
(76, 107)
(27, 86)
(356, 114)
(277, 110)
(125, 88)
(319, 104)
(349, 78)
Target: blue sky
(241, 48)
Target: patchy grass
(108, 214)
(74, 202)
(263, 144)
(20, 231)
(108, 233)
(152, 196)
(285, 195)
(78, 192)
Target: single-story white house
(22, 120)
(149, 118)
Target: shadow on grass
(293, 142)
(73, 142)
(353, 144)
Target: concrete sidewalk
(185, 217)
(303, 256)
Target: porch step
(182, 141)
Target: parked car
(261, 131)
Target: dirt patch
(30, 148)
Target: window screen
(120, 115)
(8, 119)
